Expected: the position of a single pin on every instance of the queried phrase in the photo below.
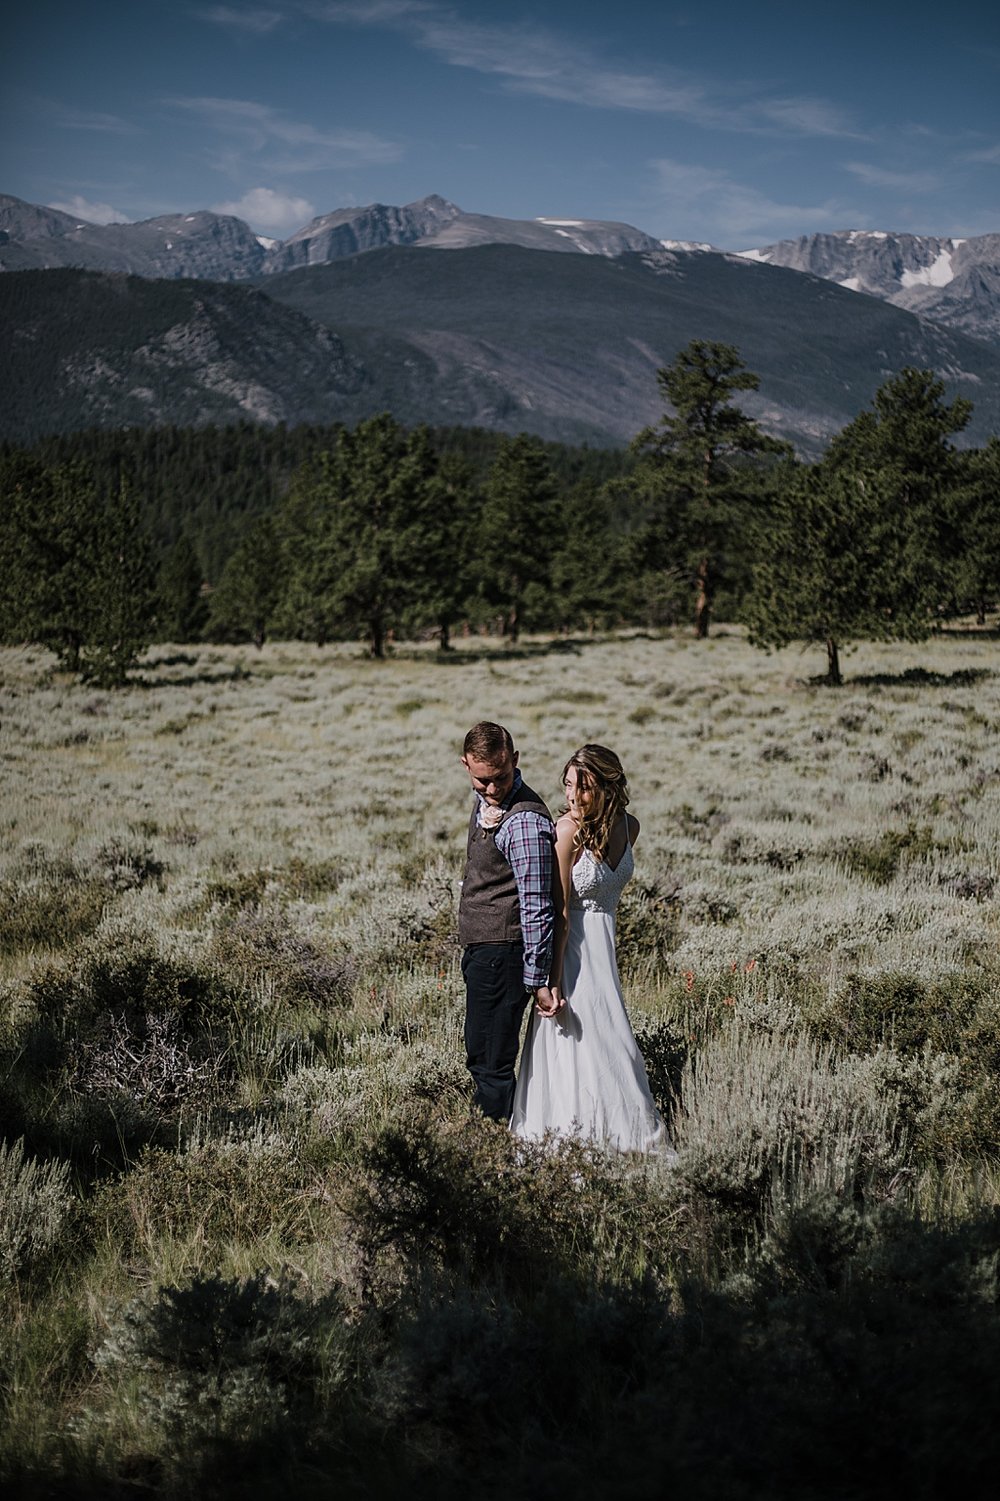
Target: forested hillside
(379, 532)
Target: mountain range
(200, 320)
(955, 282)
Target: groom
(505, 916)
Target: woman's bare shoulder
(565, 826)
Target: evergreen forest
(110, 541)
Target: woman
(581, 1072)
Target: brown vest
(488, 911)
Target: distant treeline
(109, 541)
(209, 484)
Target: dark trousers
(495, 1001)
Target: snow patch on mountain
(938, 274)
(686, 245)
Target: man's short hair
(488, 742)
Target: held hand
(548, 1000)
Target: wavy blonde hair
(600, 771)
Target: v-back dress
(581, 1071)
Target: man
(506, 914)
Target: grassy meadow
(253, 1241)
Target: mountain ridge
(952, 281)
(496, 336)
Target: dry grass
(240, 874)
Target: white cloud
(814, 117)
(536, 62)
(259, 128)
(256, 22)
(707, 204)
(268, 211)
(91, 213)
(990, 155)
(532, 60)
(904, 182)
(365, 12)
(69, 118)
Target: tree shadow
(922, 677)
(236, 674)
(967, 633)
(463, 655)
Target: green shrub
(234, 1188)
(664, 1048)
(246, 889)
(956, 1013)
(464, 1195)
(34, 1205)
(879, 859)
(221, 1358)
(49, 914)
(264, 941)
(112, 1048)
(126, 974)
(127, 864)
(647, 924)
(759, 1108)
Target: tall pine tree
(123, 592)
(515, 534)
(244, 603)
(352, 532)
(833, 561)
(696, 479)
(182, 610)
(49, 546)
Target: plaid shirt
(526, 840)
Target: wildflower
(748, 969)
(689, 979)
(728, 1000)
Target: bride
(581, 1072)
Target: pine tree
(48, 556)
(243, 605)
(589, 570)
(519, 513)
(906, 440)
(977, 523)
(352, 535)
(182, 611)
(833, 562)
(695, 478)
(123, 592)
(443, 523)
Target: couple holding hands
(537, 921)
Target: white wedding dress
(581, 1072)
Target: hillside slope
(565, 346)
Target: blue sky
(736, 124)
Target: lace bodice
(596, 887)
